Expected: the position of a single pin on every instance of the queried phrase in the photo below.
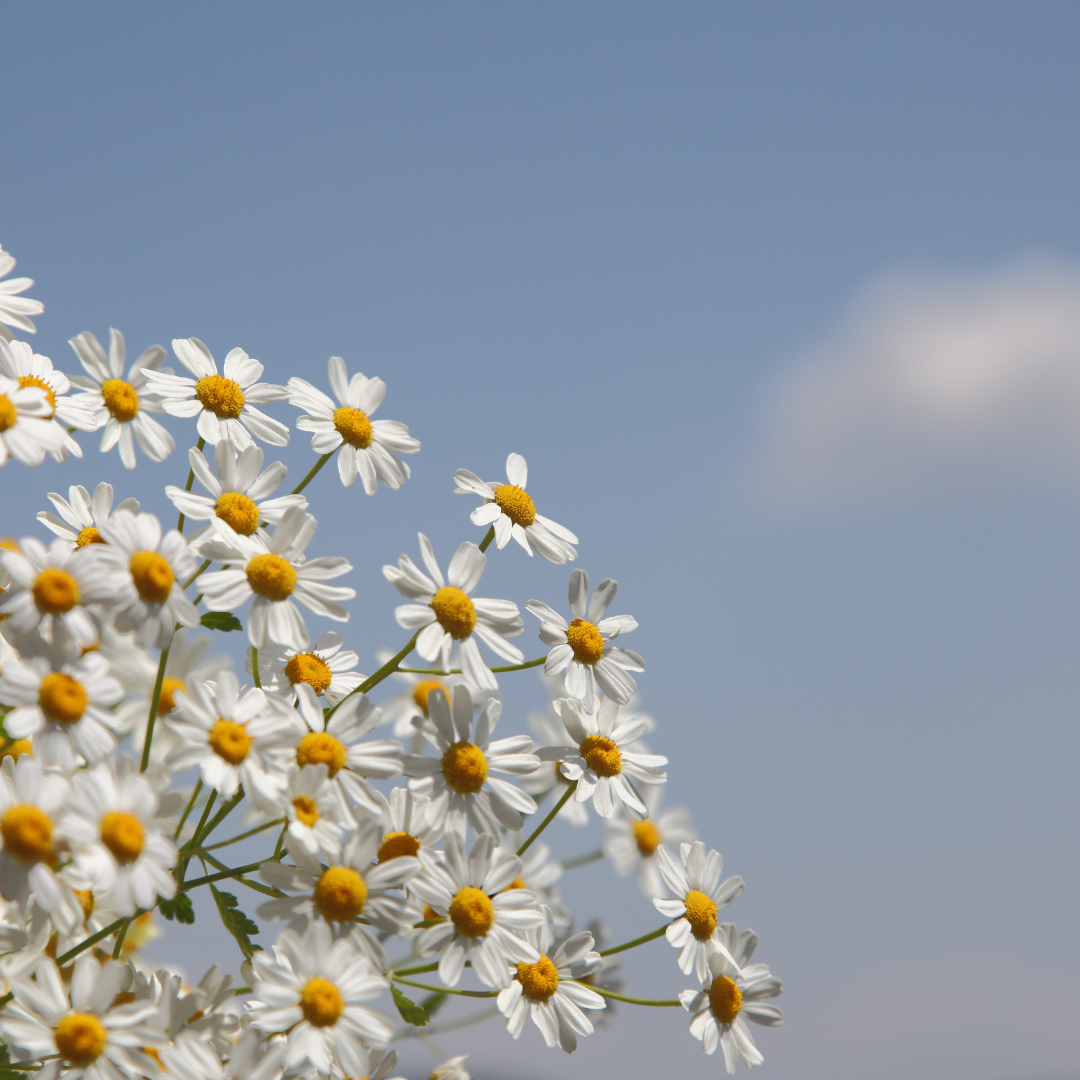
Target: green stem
(416, 970)
(190, 480)
(228, 872)
(185, 856)
(313, 472)
(255, 667)
(488, 537)
(637, 941)
(384, 672)
(190, 806)
(118, 947)
(154, 702)
(93, 939)
(447, 989)
(198, 573)
(266, 890)
(662, 1003)
(571, 788)
(457, 671)
(583, 860)
(243, 835)
(222, 814)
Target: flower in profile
(27, 432)
(406, 713)
(122, 406)
(409, 827)
(15, 310)
(509, 509)
(582, 647)
(225, 404)
(369, 448)
(315, 813)
(632, 845)
(83, 514)
(327, 668)
(733, 991)
(253, 1058)
(451, 1069)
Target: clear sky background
(782, 304)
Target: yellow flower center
(80, 1038)
(538, 981)
(586, 641)
(601, 755)
(62, 699)
(89, 535)
(700, 914)
(220, 396)
(238, 512)
(56, 592)
(167, 701)
(430, 913)
(422, 691)
(120, 399)
(16, 748)
(517, 883)
(152, 575)
(471, 913)
(8, 415)
(465, 768)
(309, 668)
(122, 834)
(455, 612)
(340, 894)
(318, 747)
(516, 504)
(33, 380)
(321, 1003)
(646, 836)
(271, 576)
(726, 999)
(86, 902)
(306, 811)
(230, 741)
(27, 833)
(354, 427)
(397, 844)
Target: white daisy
(549, 730)
(369, 448)
(409, 827)
(139, 573)
(112, 826)
(407, 711)
(452, 1069)
(380, 1065)
(96, 913)
(27, 432)
(458, 780)
(583, 646)
(603, 761)
(66, 712)
(274, 572)
(122, 405)
(253, 1058)
(181, 1010)
(15, 310)
(539, 872)
(632, 845)
(311, 987)
(732, 993)
(316, 817)
(326, 668)
(509, 509)
(483, 920)
(82, 514)
(448, 614)
(698, 892)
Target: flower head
(633, 845)
(15, 310)
(27, 432)
(326, 667)
(83, 514)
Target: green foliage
(179, 909)
(221, 620)
(411, 1013)
(236, 922)
(7, 1073)
(433, 1002)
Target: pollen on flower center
(321, 1003)
(27, 833)
(61, 698)
(120, 399)
(219, 395)
(472, 913)
(311, 669)
(725, 998)
(516, 504)
(169, 687)
(271, 576)
(340, 894)
(465, 768)
(646, 836)
(238, 512)
(230, 741)
(319, 747)
(601, 755)
(700, 914)
(455, 612)
(586, 641)
(422, 691)
(123, 835)
(89, 535)
(397, 844)
(80, 1038)
(8, 415)
(55, 591)
(306, 810)
(538, 981)
(33, 380)
(152, 575)
(354, 427)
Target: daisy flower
(121, 406)
(407, 711)
(698, 892)
(509, 509)
(409, 827)
(223, 403)
(66, 712)
(603, 761)
(91, 1036)
(274, 572)
(452, 1069)
(457, 777)
(312, 986)
(139, 574)
(193, 1011)
(733, 992)
(111, 824)
(81, 515)
(632, 845)
(369, 448)
(15, 310)
(549, 730)
(380, 1065)
(447, 613)
(27, 432)
(583, 646)
(253, 1058)
(316, 817)
(326, 668)
(239, 490)
(548, 991)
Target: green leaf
(433, 1002)
(221, 620)
(9, 1073)
(236, 922)
(411, 1013)
(179, 909)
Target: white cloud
(943, 384)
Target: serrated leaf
(235, 921)
(179, 909)
(411, 1013)
(221, 620)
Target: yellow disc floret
(646, 836)
(700, 914)
(16, 748)
(33, 380)
(309, 668)
(120, 399)
(8, 415)
(123, 835)
(340, 894)
(80, 1038)
(319, 747)
(517, 883)
(169, 687)
(601, 755)
(271, 576)
(397, 844)
(307, 812)
(152, 575)
(516, 504)
(422, 691)
(86, 902)
(219, 395)
(61, 698)
(455, 612)
(538, 981)
(238, 512)
(586, 641)
(230, 741)
(471, 913)
(725, 998)
(55, 591)
(321, 1003)
(465, 768)
(354, 427)
(27, 833)
(89, 535)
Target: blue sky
(778, 302)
